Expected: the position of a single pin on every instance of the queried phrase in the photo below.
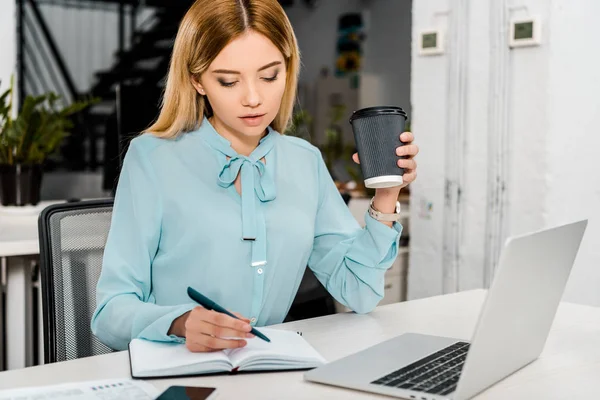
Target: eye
(226, 84)
(271, 79)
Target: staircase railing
(42, 67)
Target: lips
(252, 120)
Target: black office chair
(72, 238)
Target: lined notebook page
(285, 346)
(172, 358)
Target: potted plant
(26, 141)
(300, 125)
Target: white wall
(573, 167)
(8, 49)
(475, 151)
(429, 109)
(450, 104)
(529, 123)
(521, 158)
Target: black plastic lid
(373, 111)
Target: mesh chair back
(72, 238)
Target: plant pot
(20, 184)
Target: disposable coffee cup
(377, 135)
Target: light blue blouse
(178, 221)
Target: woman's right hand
(207, 330)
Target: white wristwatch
(379, 216)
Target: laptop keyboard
(435, 374)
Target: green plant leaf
(40, 128)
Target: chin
(253, 130)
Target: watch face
(398, 207)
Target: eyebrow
(227, 71)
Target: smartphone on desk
(188, 393)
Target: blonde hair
(207, 27)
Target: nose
(252, 97)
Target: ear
(198, 86)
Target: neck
(242, 144)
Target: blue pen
(211, 305)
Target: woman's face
(245, 84)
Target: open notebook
(287, 350)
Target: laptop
(513, 325)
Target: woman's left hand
(409, 150)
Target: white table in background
(568, 368)
(19, 243)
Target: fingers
(226, 321)
(209, 331)
(410, 150)
(407, 151)
(409, 177)
(203, 342)
(198, 348)
(221, 332)
(406, 137)
(407, 163)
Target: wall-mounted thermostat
(525, 32)
(431, 42)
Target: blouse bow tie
(255, 179)
(257, 183)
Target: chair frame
(47, 268)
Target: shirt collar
(220, 143)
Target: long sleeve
(126, 308)
(349, 261)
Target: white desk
(18, 243)
(567, 369)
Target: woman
(214, 197)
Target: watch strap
(379, 216)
